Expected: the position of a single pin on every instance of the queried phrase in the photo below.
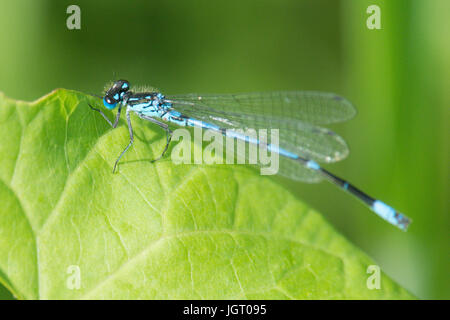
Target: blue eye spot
(116, 96)
(109, 105)
(125, 85)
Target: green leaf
(153, 230)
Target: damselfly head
(115, 93)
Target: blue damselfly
(298, 115)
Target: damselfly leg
(130, 129)
(165, 127)
(116, 121)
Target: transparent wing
(296, 135)
(307, 106)
(286, 167)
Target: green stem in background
(398, 73)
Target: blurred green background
(398, 78)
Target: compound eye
(109, 102)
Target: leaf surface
(153, 230)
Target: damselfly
(298, 115)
